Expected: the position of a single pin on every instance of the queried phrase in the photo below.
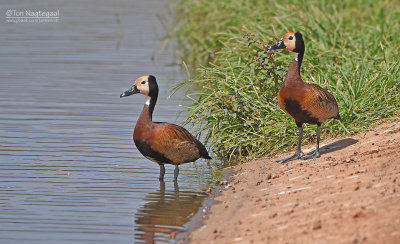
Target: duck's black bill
(278, 45)
(133, 90)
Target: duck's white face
(289, 39)
(142, 84)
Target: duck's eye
(143, 82)
(290, 37)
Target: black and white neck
(299, 49)
(151, 98)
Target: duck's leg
(298, 152)
(176, 173)
(316, 154)
(162, 172)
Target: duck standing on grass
(163, 143)
(305, 103)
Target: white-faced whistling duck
(159, 142)
(305, 103)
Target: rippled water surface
(69, 172)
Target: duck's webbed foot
(296, 155)
(316, 154)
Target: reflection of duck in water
(165, 212)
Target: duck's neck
(293, 74)
(299, 58)
(147, 113)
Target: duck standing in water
(305, 103)
(163, 143)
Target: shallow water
(69, 172)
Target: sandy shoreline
(350, 194)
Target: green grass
(352, 50)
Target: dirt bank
(351, 194)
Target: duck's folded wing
(320, 103)
(177, 144)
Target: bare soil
(351, 194)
